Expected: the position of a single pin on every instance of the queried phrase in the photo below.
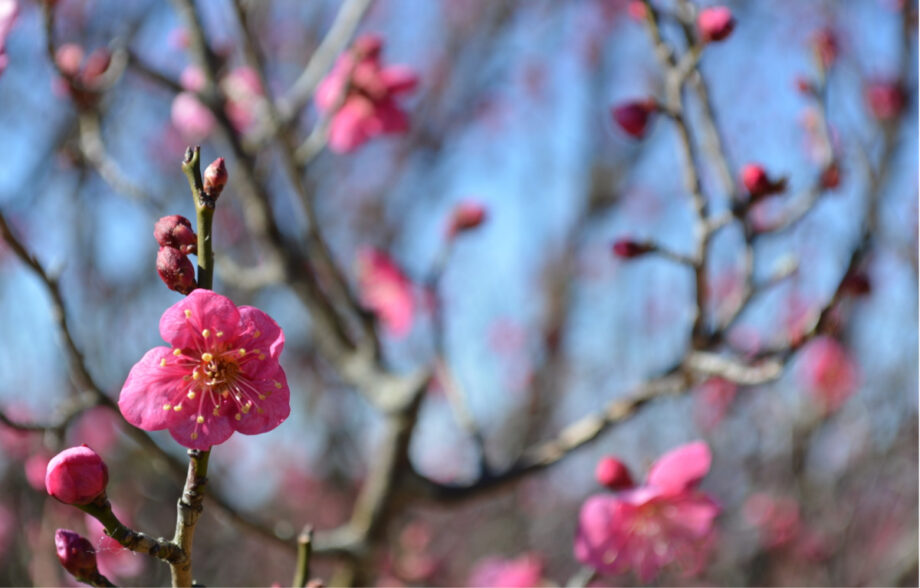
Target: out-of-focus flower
(633, 117)
(369, 107)
(758, 183)
(826, 48)
(828, 372)
(713, 399)
(830, 177)
(386, 290)
(522, 572)
(665, 521)
(76, 476)
(777, 518)
(245, 97)
(191, 117)
(115, 561)
(9, 9)
(221, 374)
(715, 23)
(886, 99)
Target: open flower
(667, 520)
(369, 107)
(219, 375)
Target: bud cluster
(176, 239)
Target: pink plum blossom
(191, 117)
(828, 373)
(9, 9)
(524, 571)
(245, 97)
(665, 521)
(220, 374)
(386, 290)
(369, 107)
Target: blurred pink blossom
(9, 9)
(191, 117)
(524, 571)
(115, 562)
(777, 518)
(829, 373)
(386, 290)
(713, 399)
(667, 520)
(245, 97)
(369, 107)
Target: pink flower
(220, 375)
(667, 520)
(715, 23)
(828, 373)
(76, 476)
(191, 117)
(524, 571)
(369, 107)
(386, 290)
(9, 9)
(244, 96)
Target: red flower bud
(830, 177)
(826, 48)
(627, 249)
(633, 116)
(715, 24)
(76, 554)
(886, 100)
(215, 178)
(176, 231)
(76, 476)
(613, 474)
(758, 184)
(466, 215)
(176, 271)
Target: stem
(101, 510)
(190, 504)
(304, 550)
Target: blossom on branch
(220, 374)
(368, 107)
(665, 521)
(386, 290)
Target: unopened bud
(633, 117)
(628, 249)
(758, 183)
(830, 177)
(886, 100)
(176, 271)
(613, 473)
(826, 48)
(466, 215)
(76, 476)
(76, 554)
(176, 231)
(715, 23)
(215, 178)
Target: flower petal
(188, 433)
(260, 331)
(270, 411)
(147, 389)
(184, 322)
(681, 468)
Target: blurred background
(535, 321)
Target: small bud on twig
(628, 249)
(215, 178)
(176, 231)
(76, 554)
(613, 474)
(633, 117)
(176, 271)
(466, 216)
(758, 183)
(715, 23)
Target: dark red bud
(633, 117)
(628, 249)
(715, 23)
(856, 284)
(176, 231)
(76, 554)
(176, 271)
(830, 177)
(613, 474)
(826, 48)
(886, 100)
(215, 178)
(466, 216)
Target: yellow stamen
(177, 407)
(163, 362)
(216, 411)
(277, 384)
(195, 375)
(206, 333)
(194, 435)
(167, 406)
(242, 352)
(261, 396)
(191, 395)
(261, 356)
(206, 356)
(257, 334)
(200, 419)
(225, 393)
(220, 333)
(177, 352)
(238, 416)
(188, 313)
